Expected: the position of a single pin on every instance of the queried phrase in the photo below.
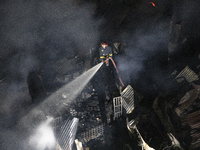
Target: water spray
(43, 136)
(65, 95)
(59, 99)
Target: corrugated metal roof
(93, 133)
(67, 134)
(128, 99)
(188, 74)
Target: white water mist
(71, 90)
(66, 94)
(44, 136)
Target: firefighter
(105, 52)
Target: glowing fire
(152, 3)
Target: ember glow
(152, 3)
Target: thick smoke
(150, 39)
(142, 45)
(64, 24)
(33, 33)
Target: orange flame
(152, 4)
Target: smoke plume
(142, 45)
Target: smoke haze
(142, 45)
(33, 33)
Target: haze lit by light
(43, 136)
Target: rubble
(175, 142)
(78, 145)
(144, 145)
(187, 100)
(179, 110)
(93, 133)
(193, 120)
(117, 104)
(188, 74)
